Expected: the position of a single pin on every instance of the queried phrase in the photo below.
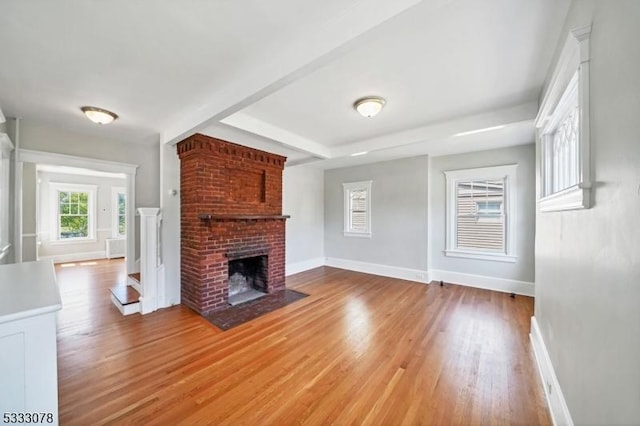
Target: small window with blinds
(481, 213)
(357, 209)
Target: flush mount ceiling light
(369, 106)
(99, 115)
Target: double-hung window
(481, 213)
(357, 209)
(74, 206)
(562, 129)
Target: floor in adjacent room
(361, 349)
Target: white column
(149, 301)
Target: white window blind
(480, 218)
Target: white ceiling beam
(252, 140)
(442, 130)
(279, 68)
(251, 124)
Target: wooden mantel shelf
(221, 217)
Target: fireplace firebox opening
(247, 279)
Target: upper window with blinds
(481, 213)
(357, 209)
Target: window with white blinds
(357, 209)
(481, 213)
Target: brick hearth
(231, 208)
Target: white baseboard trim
(305, 265)
(75, 257)
(482, 281)
(560, 414)
(408, 274)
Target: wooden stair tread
(125, 294)
(135, 276)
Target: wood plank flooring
(360, 349)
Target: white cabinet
(29, 300)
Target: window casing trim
(347, 188)
(571, 73)
(506, 172)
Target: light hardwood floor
(360, 349)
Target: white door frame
(41, 157)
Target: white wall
(170, 211)
(66, 251)
(518, 276)
(588, 261)
(398, 218)
(44, 137)
(303, 200)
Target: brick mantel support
(231, 206)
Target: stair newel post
(149, 259)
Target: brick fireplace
(231, 209)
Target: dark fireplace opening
(247, 279)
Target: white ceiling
(283, 75)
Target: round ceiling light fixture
(369, 106)
(99, 115)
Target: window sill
(72, 241)
(497, 257)
(572, 198)
(357, 234)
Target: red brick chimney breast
(231, 208)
